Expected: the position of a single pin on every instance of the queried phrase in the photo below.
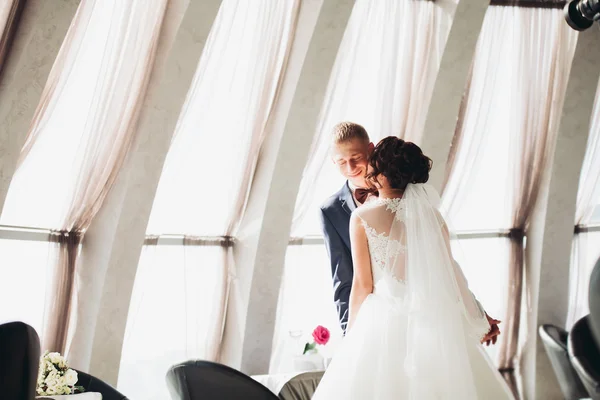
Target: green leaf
(308, 347)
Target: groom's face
(352, 158)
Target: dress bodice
(387, 245)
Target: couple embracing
(413, 329)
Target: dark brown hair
(400, 162)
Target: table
(292, 386)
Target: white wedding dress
(417, 335)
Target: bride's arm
(362, 281)
(473, 305)
(479, 317)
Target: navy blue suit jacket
(335, 221)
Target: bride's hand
(492, 336)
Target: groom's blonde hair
(346, 131)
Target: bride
(415, 328)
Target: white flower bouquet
(55, 377)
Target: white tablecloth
(79, 396)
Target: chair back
(585, 356)
(19, 361)
(554, 340)
(205, 380)
(93, 384)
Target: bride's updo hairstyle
(400, 162)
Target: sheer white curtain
(586, 245)
(305, 301)
(504, 139)
(202, 191)
(176, 294)
(224, 115)
(88, 105)
(503, 88)
(476, 178)
(5, 7)
(80, 135)
(382, 78)
(24, 271)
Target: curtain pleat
(383, 79)
(524, 52)
(127, 58)
(10, 16)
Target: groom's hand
(492, 335)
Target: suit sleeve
(341, 268)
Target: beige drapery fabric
(276, 70)
(10, 14)
(214, 336)
(203, 190)
(383, 79)
(62, 67)
(232, 112)
(540, 51)
(59, 298)
(546, 53)
(126, 64)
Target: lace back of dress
(383, 220)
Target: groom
(350, 152)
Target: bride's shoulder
(393, 205)
(372, 203)
(374, 209)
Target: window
(522, 59)
(585, 254)
(305, 301)
(176, 295)
(220, 127)
(224, 114)
(586, 241)
(23, 276)
(90, 95)
(483, 261)
(87, 108)
(382, 79)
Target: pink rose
(321, 335)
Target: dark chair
(205, 380)
(585, 356)
(301, 387)
(93, 384)
(594, 302)
(555, 343)
(19, 361)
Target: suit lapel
(347, 199)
